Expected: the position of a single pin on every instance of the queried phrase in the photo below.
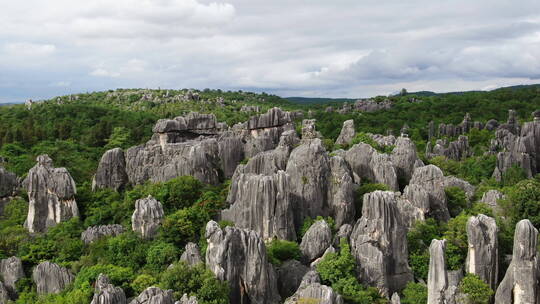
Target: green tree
(476, 290)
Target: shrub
(523, 202)
(414, 293)
(281, 250)
(160, 255)
(476, 290)
(456, 200)
(142, 282)
(119, 276)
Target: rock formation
(521, 281)
(4, 294)
(94, 233)
(311, 290)
(290, 275)
(379, 243)
(455, 150)
(51, 192)
(51, 278)
(483, 255)
(316, 240)
(8, 186)
(263, 204)
(11, 270)
(309, 130)
(368, 164)
(343, 232)
(347, 133)
(147, 217)
(430, 178)
(491, 198)
(239, 257)
(404, 158)
(371, 105)
(154, 295)
(106, 293)
(111, 172)
(341, 191)
(437, 274)
(191, 254)
(187, 300)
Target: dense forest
(76, 130)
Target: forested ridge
(75, 131)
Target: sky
(314, 48)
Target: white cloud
(312, 47)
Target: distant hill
(308, 100)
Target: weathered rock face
(341, 191)
(347, 133)
(316, 240)
(51, 192)
(187, 300)
(308, 169)
(290, 275)
(147, 217)
(437, 275)
(239, 256)
(231, 153)
(312, 290)
(106, 293)
(483, 255)
(371, 105)
(388, 140)
(4, 294)
(94, 233)
(368, 164)
(191, 254)
(404, 158)
(395, 299)
(521, 281)
(378, 242)
(431, 179)
(51, 278)
(455, 150)
(8, 182)
(11, 271)
(263, 204)
(343, 232)
(309, 130)
(154, 295)
(491, 198)
(111, 172)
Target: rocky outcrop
(191, 254)
(51, 278)
(455, 150)
(231, 153)
(341, 191)
(431, 180)
(381, 140)
(263, 204)
(311, 290)
(8, 182)
(4, 294)
(347, 133)
(239, 257)
(187, 300)
(51, 194)
(147, 217)
(111, 172)
(437, 275)
(11, 270)
(404, 158)
(368, 164)
(154, 295)
(308, 169)
(344, 232)
(106, 293)
(290, 275)
(94, 233)
(464, 127)
(491, 198)
(483, 254)
(379, 243)
(521, 281)
(309, 131)
(316, 240)
(371, 105)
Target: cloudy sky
(319, 48)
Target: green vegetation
(280, 251)
(476, 290)
(414, 293)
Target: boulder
(316, 240)
(521, 282)
(51, 194)
(347, 133)
(106, 293)
(154, 295)
(263, 204)
(11, 270)
(311, 290)
(147, 217)
(191, 254)
(111, 172)
(379, 244)
(239, 257)
(290, 275)
(94, 233)
(483, 254)
(51, 278)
